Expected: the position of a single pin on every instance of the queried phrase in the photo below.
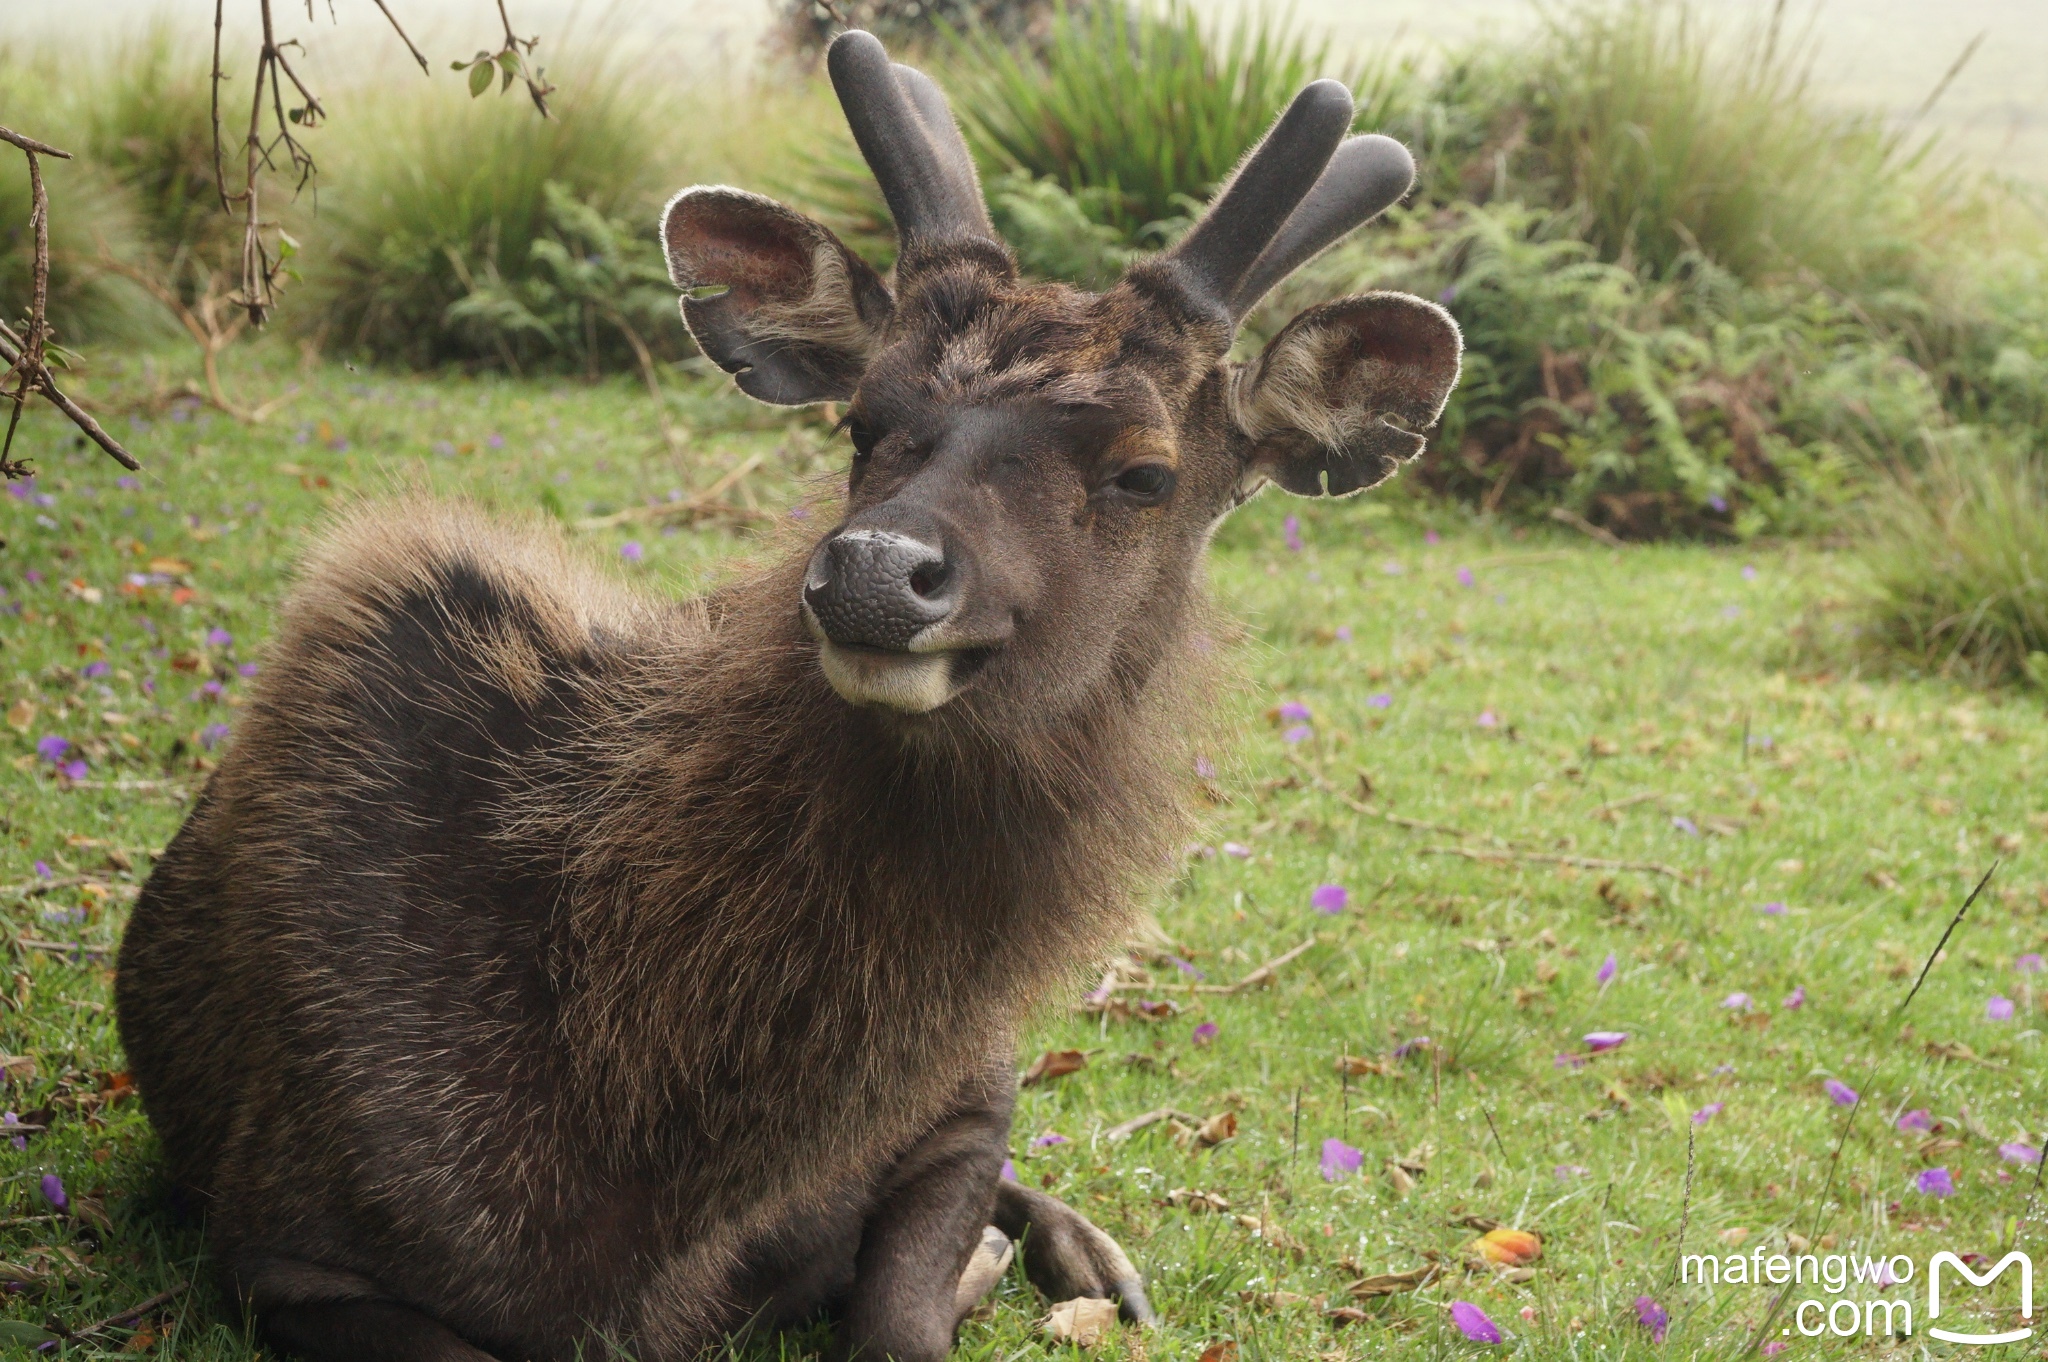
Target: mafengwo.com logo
(1843, 1310)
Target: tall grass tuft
(1676, 142)
(1140, 112)
(1957, 553)
(433, 196)
(145, 118)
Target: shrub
(589, 292)
(433, 196)
(1140, 113)
(1957, 556)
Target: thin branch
(27, 370)
(417, 55)
(1553, 858)
(133, 1311)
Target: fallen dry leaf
(1081, 1321)
(1190, 1200)
(1404, 1181)
(1277, 1300)
(1272, 1232)
(1346, 1314)
(1361, 1066)
(20, 715)
(18, 1068)
(1054, 1064)
(1393, 1283)
(1222, 1350)
(1214, 1131)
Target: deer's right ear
(775, 299)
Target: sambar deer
(549, 967)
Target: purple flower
(1291, 527)
(1999, 1008)
(1919, 1118)
(1600, 1041)
(1431, 537)
(1473, 1323)
(1009, 1173)
(1605, 974)
(1237, 849)
(211, 690)
(1772, 910)
(210, 735)
(1294, 711)
(1840, 1093)
(2030, 963)
(631, 551)
(1565, 1172)
(1297, 734)
(1047, 1140)
(1205, 768)
(52, 748)
(1719, 504)
(1796, 999)
(72, 770)
(1749, 572)
(53, 1191)
(1206, 1032)
(1409, 1047)
(1568, 1062)
(2019, 1153)
(218, 638)
(1187, 967)
(495, 440)
(247, 669)
(1935, 1182)
(1737, 1002)
(1707, 1113)
(42, 869)
(95, 670)
(1488, 719)
(1380, 701)
(1343, 633)
(1329, 898)
(1653, 1317)
(1685, 825)
(1465, 577)
(1340, 1160)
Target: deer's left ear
(1335, 402)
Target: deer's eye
(1148, 482)
(863, 436)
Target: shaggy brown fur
(547, 965)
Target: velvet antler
(906, 132)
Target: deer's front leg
(925, 1255)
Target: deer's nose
(877, 589)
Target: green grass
(1866, 805)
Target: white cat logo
(2026, 1295)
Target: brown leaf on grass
(1955, 1049)
(1054, 1064)
(1394, 1283)
(1346, 1314)
(1277, 1300)
(1188, 1199)
(18, 1068)
(1081, 1321)
(1272, 1232)
(1222, 1350)
(20, 715)
(1404, 1181)
(1362, 1066)
(1214, 1131)
(91, 1212)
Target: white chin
(914, 683)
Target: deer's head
(1036, 469)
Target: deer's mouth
(907, 682)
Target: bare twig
(132, 1312)
(61, 947)
(1330, 788)
(417, 55)
(1138, 1123)
(1554, 858)
(1585, 526)
(706, 503)
(27, 373)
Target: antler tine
(907, 134)
(1365, 176)
(1217, 254)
